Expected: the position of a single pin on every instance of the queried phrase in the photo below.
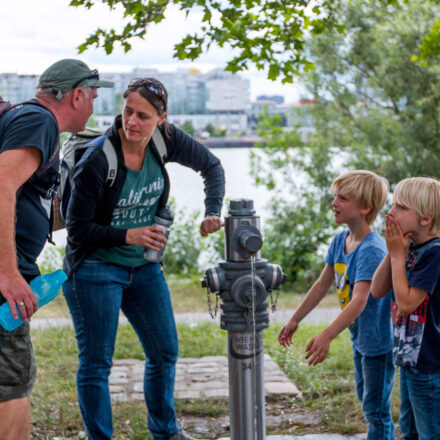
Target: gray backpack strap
(112, 159)
(159, 143)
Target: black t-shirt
(31, 125)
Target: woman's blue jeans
(374, 380)
(419, 405)
(95, 294)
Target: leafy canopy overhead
(268, 34)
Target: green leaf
(273, 71)
(108, 46)
(272, 28)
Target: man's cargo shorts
(18, 370)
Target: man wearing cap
(29, 148)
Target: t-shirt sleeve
(35, 129)
(426, 272)
(330, 258)
(367, 263)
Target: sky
(36, 33)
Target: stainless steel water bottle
(163, 218)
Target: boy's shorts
(18, 369)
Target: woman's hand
(211, 224)
(149, 236)
(397, 242)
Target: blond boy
(412, 269)
(351, 261)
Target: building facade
(219, 97)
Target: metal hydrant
(243, 282)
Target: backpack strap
(160, 144)
(6, 105)
(108, 148)
(50, 162)
(112, 159)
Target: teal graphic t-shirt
(136, 207)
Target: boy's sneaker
(182, 436)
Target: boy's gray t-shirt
(371, 331)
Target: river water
(187, 186)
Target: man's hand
(210, 224)
(286, 333)
(17, 292)
(317, 349)
(397, 242)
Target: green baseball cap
(68, 74)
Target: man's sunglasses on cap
(92, 75)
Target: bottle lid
(165, 213)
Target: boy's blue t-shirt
(417, 335)
(371, 331)
(30, 125)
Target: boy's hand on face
(286, 333)
(397, 242)
(317, 349)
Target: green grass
(327, 388)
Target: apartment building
(217, 97)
